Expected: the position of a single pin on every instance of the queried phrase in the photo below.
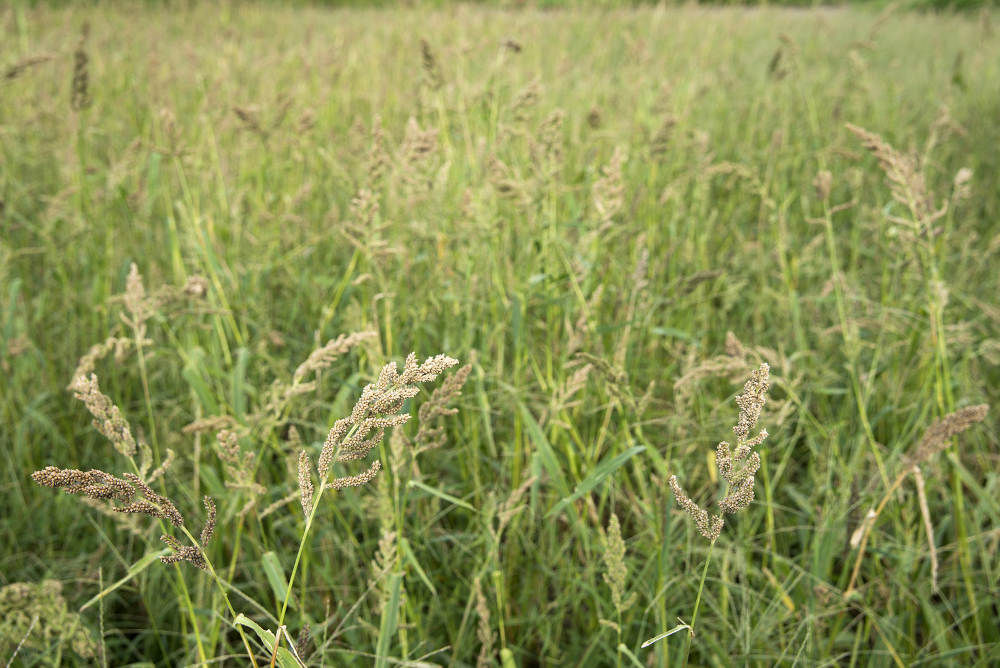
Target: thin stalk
(183, 587)
(305, 537)
(697, 604)
(222, 589)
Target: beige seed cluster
(305, 482)
(430, 435)
(615, 570)
(939, 434)
(708, 526)
(239, 467)
(323, 357)
(737, 467)
(108, 418)
(375, 413)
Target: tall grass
(613, 217)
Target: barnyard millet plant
(224, 229)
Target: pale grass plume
(908, 186)
(374, 414)
(160, 470)
(547, 150)
(305, 482)
(324, 356)
(512, 506)
(108, 418)
(430, 434)
(823, 183)
(87, 364)
(736, 466)
(415, 155)
(936, 438)
(525, 100)
(239, 468)
(378, 160)
(138, 305)
(660, 143)
(709, 526)
(615, 569)
(484, 631)
(609, 190)
(208, 424)
(507, 184)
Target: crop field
(703, 301)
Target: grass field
(613, 217)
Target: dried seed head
(823, 184)
(167, 510)
(614, 563)
(378, 157)
(193, 554)
(212, 423)
(737, 467)
(430, 436)
(80, 88)
(104, 486)
(376, 412)
(907, 182)
(18, 68)
(609, 190)
(98, 351)
(94, 484)
(323, 357)
(432, 71)
(108, 418)
(751, 401)
(939, 434)
(164, 466)
(209, 529)
(305, 483)
(188, 553)
(333, 440)
(358, 480)
(484, 631)
(708, 526)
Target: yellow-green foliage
(238, 217)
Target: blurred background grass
(229, 141)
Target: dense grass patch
(613, 216)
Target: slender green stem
(305, 534)
(183, 587)
(697, 603)
(222, 590)
(298, 554)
